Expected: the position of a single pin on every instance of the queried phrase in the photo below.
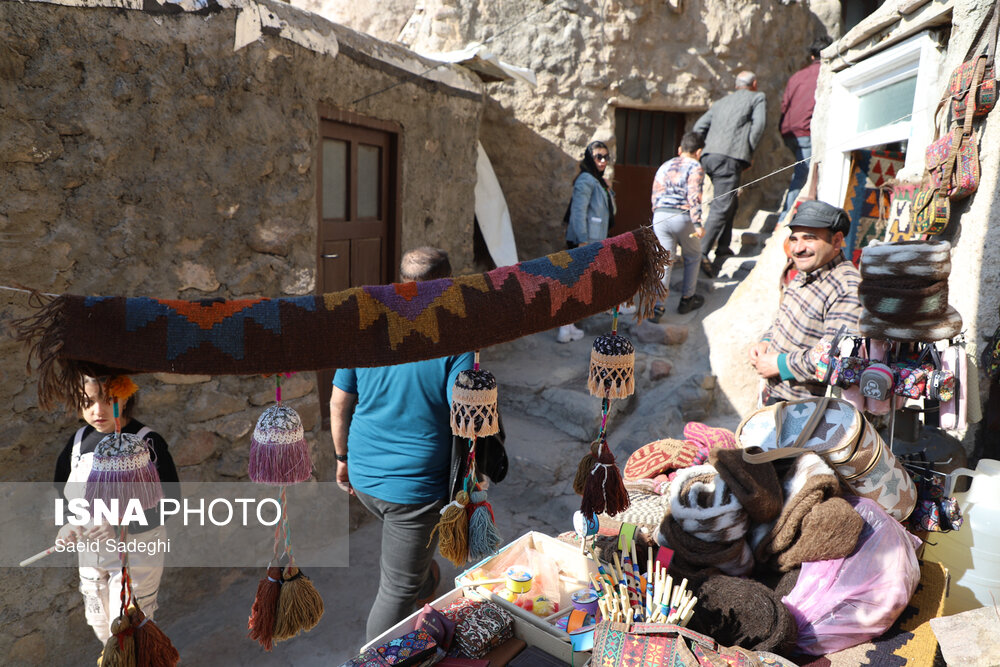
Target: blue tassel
(484, 540)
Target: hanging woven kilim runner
(374, 325)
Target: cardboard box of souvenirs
(527, 632)
(558, 569)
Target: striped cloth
(814, 306)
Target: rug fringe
(655, 258)
(59, 380)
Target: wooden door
(645, 140)
(357, 240)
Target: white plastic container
(972, 554)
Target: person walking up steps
(732, 129)
(676, 203)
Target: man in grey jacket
(732, 128)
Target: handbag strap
(797, 448)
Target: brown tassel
(265, 609)
(299, 605)
(59, 380)
(119, 651)
(453, 530)
(583, 470)
(605, 490)
(651, 289)
(152, 647)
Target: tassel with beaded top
(612, 367)
(265, 609)
(300, 606)
(452, 530)
(474, 403)
(484, 540)
(152, 647)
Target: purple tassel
(279, 453)
(122, 471)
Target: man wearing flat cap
(820, 300)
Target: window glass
(887, 105)
(334, 178)
(368, 181)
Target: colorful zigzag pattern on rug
(373, 325)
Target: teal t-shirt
(399, 445)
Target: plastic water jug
(972, 553)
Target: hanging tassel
(484, 540)
(265, 609)
(651, 288)
(123, 470)
(119, 651)
(612, 367)
(583, 470)
(279, 453)
(605, 491)
(474, 403)
(453, 530)
(299, 605)
(152, 647)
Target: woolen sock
(829, 530)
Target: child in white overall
(100, 573)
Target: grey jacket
(734, 125)
(589, 213)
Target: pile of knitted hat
(904, 292)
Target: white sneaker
(627, 310)
(569, 333)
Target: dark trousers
(725, 173)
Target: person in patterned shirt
(822, 298)
(676, 203)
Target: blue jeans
(673, 227)
(801, 147)
(405, 560)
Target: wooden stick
(39, 556)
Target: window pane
(368, 181)
(886, 106)
(334, 178)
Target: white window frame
(920, 54)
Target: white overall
(101, 576)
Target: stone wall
(591, 57)
(141, 155)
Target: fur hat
(756, 486)
(813, 524)
(937, 328)
(703, 505)
(905, 300)
(743, 612)
(927, 260)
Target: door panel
(356, 192)
(365, 255)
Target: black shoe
(707, 268)
(693, 302)
(658, 312)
